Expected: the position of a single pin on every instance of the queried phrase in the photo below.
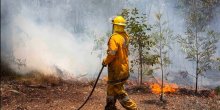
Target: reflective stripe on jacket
(117, 56)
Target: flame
(168, 88)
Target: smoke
(176, 22)
(175, 19)
(45, 46)
(57, 36)
(47, 36)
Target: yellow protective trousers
(117, 92)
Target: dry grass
(37, 78)
(32, 78)
(7, 73)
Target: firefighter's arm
(111, 52)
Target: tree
(216, 63)
(200, 42)
(218, 59)
(162, 36)
(139, 39)
(99, 43)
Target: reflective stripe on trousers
(117, 92)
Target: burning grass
(168, 88)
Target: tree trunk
(197, 49)
(140, 64)
(140, 61)
(138, 81)
(161, 66)
(196, 91)
(197, 70)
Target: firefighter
(118, 67)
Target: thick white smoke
(47, 46)
(53, 36)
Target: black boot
(110, 108)
(110, 103)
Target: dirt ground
(16, 95)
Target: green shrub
(217, 90)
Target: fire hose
(92, 89)
(95, 81)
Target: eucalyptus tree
(199, 42)
(162, 36)
(140, 42)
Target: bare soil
(66, 95)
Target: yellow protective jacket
(117, 57)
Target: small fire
(168, 88)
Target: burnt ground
(18, 95)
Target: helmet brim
(121, 24)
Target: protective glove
(103, 63)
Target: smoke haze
(47, 35)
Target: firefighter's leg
(110, 103)
(123, 98)
(111, 99)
